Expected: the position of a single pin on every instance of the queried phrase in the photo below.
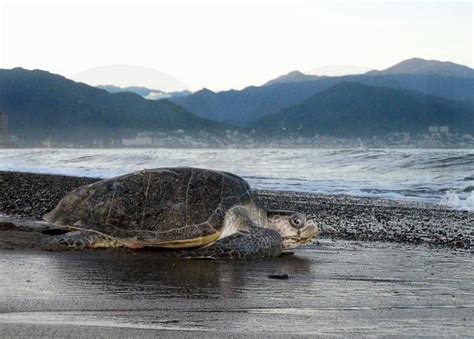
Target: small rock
(281, 276)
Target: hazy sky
(221, 45)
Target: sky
(223, 45)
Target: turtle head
(294, 228)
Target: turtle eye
(296, 222)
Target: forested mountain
(42, 105)
(241, 108)
(354, 110)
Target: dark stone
(278, 275)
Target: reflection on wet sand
(336, 289)
(146, 274)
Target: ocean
(439, 176)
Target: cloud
(157, 96)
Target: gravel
(339, 217)
(369, 219)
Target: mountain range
(414, 66)
(42, 105)
(354, 110)
(243, 108)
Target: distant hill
(295, 76)
(355, 110)
(241, 108)
(42, 105)
(428, 67)
(414, 66)
(317, 73)
(147, 93)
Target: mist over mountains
(147, 93)
(409, 97)
(130, 75)
(338, 70)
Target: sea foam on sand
(454, 200)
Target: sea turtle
(195, 212)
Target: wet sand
(418, 281)
(335, 288)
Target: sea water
(437, 176)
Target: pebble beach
(30, 196)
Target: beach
(30, 196)
(379, 267)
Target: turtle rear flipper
(249, 243)
(78, 240)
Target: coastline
(340, 217)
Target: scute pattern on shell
(165, 204)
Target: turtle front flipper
(249, 243)
(78, 240)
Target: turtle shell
(164, 207)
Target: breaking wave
(454, 200)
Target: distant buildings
(143, 139)
(3, 129)
(46, 143)
(97, 142)
(439, 129)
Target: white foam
(457, 201)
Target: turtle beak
(304, 235)
(310, 231)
